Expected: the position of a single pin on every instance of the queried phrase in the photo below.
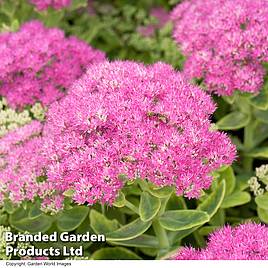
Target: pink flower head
(55, 4)
(141, 121)
(21, 162)
(244, 242)
(39, 64)
(225, 42)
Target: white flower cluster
(24, 244)
(11, 119)
(38, 111)
(3, 243)
(261, 176)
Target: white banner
(135, 264)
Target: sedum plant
(129, 150)
(3, 243)
(11, 119)
(259, 186)
(225, 47)
(244, 242)
(134, 138)
(39, 64)
(141, 122)
(224, 41)
(21, 163)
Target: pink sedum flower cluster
(23, 168)
(21, 162)
(39, 64)
(55, 4)
(140, 121)
(225, 42)
(244, 242)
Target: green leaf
(84, 227)
(218, 219)
(132, 190)
(177, 220)
(120, 200)
(259, 153)
(89, 35)
(166, 30)
(262, 201)
(237, 142)
(20, 221)
(116, 253)
(15, 25)
(78, 4)
(222, 168)
(242, 181)
(261, 100)
(206, 230)
(70, 219)
(100, 224)
(52, 17)
(160, 192)
(175, 203)
(8, 7)
(229, 99)
(234, 120)
(129, 231)
(260, 133)
(8, 206)
(167, 254)
(152, 252)
(236, 199)
(261, 115)
(263, 214)
(142, 241)
(3, 219)
(176, 237)
(112, 213)
(213, 202)
(229, 177)
(34, 211)
(149, 206)
(69, 193)
(173, 2)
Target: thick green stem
(103, 209)
(183, 202)
(161, 235)
(248, 145)
(159, 230)
(199, 239)
(132, 207)
(143, 185)
(246, 108)
(163, 205)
